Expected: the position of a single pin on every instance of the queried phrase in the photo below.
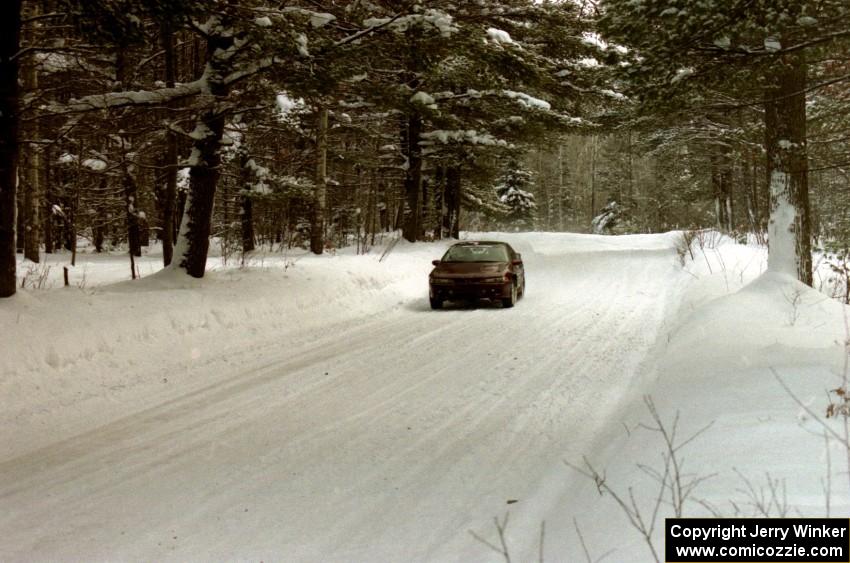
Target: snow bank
(723, 336)
(73, 352)
(749, 356)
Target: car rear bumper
(448, 292)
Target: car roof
(479, 242)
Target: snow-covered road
(384, 439)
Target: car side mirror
(435, 262)
(516, 262)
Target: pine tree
(727, 55)
(512, 192)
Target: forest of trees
(323, 123)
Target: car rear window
(477, 253)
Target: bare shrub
(501, 534)
(501, 529)
(770, 500)
(683, 245)
(36, 276)
(675, 485)
(795, 299)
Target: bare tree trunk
(194, 239)
(320, 192)
(544, 191)
(19, 217)
(413, 178)
(182, 196)
(561, 222)
(10, 27)
(593, 142)
(129, 183)
(750, 185)
(453, 187)
(170, 193)
(98, 234)
(47, 225)
(30, 211)
(247, 209)
(32, 184)
(726, 186)
(373, 208)
(789, 230)
(132, 215)
(631, 169)
(440, 202)
(722, 184)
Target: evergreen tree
(685, 54)
(512, 192)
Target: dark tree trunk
(560, 196)
(593, 147)
(130, 201)
(194, 239)
(48, 228)
(726, 195)
(69, 231)
(47, 221)
(98, 221)
(247, 207)
(182, 196)
(440, 203)
(144, 232)
(748, 170)
(721, 179)
(398, 222)
(383, 207)
(247, 223)
(32, 163)
(170, 193)
(412, 178)
(19, 217)
(449, 196)
(97, 236)
(320, 192)
(789, 229)
(129, 183)
(10, 28)
(30, 210)
(453, 201)
(203, 179)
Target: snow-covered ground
(745, 365)
(314, 408)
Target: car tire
(436, 303)
(509, 302)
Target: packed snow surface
(309, 408)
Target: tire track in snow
(326, 462)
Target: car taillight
(508, 276)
